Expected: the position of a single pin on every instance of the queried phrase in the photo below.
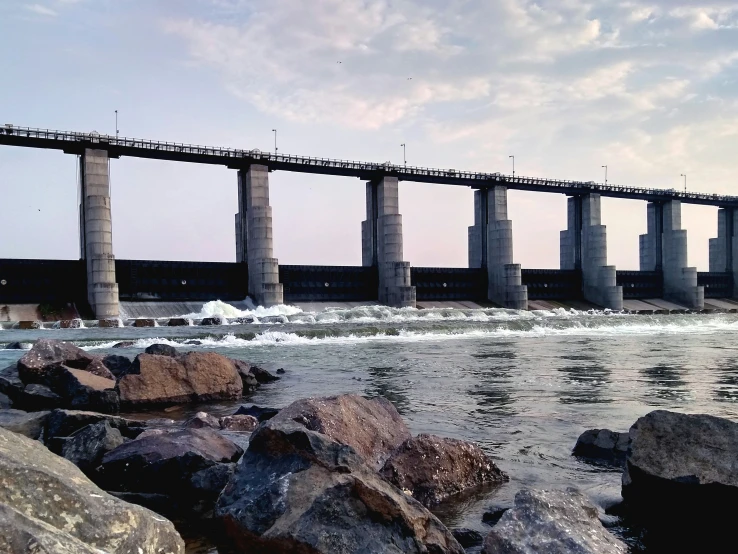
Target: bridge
(384, 276)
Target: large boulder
(195, 376)
(433, 468)
(84, 390)
(48, 505)
(165, 462)
(373, 428)
(10, 382)
(38, 364)
(602, 445)
(86, 447)
(35, 397)
(250, 383)
(64, 423)
(30, 424)
(297, 490)
(554, 522)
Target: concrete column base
(506, 288)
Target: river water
(523, 385)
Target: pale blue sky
(648, 88)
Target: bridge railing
(469, 178)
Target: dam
(100, 282)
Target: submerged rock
(433, 468)
(195, 376)
(262, 375)
(603, 445)
(244, 423)
(260, 413)
(250, 383)
(47, 505)
(28, 424)
(125, 344)
(554, 522)
(373, 428)
(162, 350)
(297, 490)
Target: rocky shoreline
(335, 474)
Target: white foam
(218, 308)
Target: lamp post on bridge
(404, 158)
(116, 123)
(605, 174)
(276, 150)
(685, 181)
(513, 160)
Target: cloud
(41, 10)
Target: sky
(648, 88)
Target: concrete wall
(382, 245)
(724, 248)
(97, 234)
(680, 281)
(584, 246)
(254, 238)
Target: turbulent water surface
(523, 385)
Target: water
(522, 385)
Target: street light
(605, 174)
(685, 181)
(513, 159)
(275, 141)
(116, 123)
(404, 158)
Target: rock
(10, 382)
(35, 397)
(194, 342)
(493, 514)
(5, 402)
(297, 490)
(18, 346)
(86, 447)
(603, 445)
(213, 321)
(209, 482)
(47, 505)
(118, 365)
(239, 423)
(27, 325)
(202, 419)
(30, 425)
(125, 344)
(70, 324)
(248, 379)
(162, 350)
(467, 537)
(681, 472)
(262, 375)
(63, 423)
(109, 323)
(262, 414)
(280, 371)
(373, 428)
(83, 390)
(39, 364)
(178, 322)
(144, 322)
(554, 522)
(433, 468)
(195, 376)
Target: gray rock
(47, 505)
(202, 419)
(86, 447)
(63, 423)
(84, 390)
(10, 382)
(125, 344)
(259, 412)
(551, 522)
(35, 397)
(468, 537)
(243, 423)
(250, 384)
(118, 365)
(28, 424)
(603, 445)
(262, 375)
(213, 321)
(38, 365)
(162, 350)
(5, 402)
(209, 482)
(297, 490)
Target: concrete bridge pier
(664, 247)
(381, 238)
(254, 238)
(491, 247)
(583, 246)
(96, 236)
(723, 254)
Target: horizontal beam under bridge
(76, 143)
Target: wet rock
(213, 321)
(194, 342)
(468, 537)
(83, 390)
(195, 376)
(244, 423)
(162, 350)
(144, 322)
(260, 413)
(493, 514)
(248, 379)
(5, 402)
(125, 344)
(83, 519)
(63, 423)
(18, 346)
(86, 447)
(202, 419)
(70, 324)
(554, 522)
(28, 424)
(681, 472)
(280, 371)
(10, 382)
(603, 445)
(27, 325)
(109, 323)
(208, 483)
(165, 463)
(35, 397)
(297, 490)
(262, 375)
(178, 322)
(433, 468)
(39, 364)
(118, 365)
(373, 428)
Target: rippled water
(522, 385)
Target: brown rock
(38, 364)
(144, 323)
(239, 423)
(109, 323)
(373, 428)
(433, 468)
(195, 376)
(26, 325)
(81, 389)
